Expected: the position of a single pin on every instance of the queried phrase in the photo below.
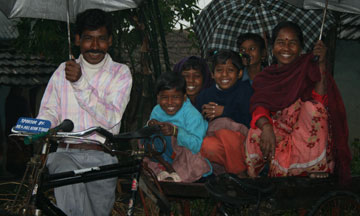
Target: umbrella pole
(68, 28)
(316, 58)
(323, 19)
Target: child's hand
(212, 110)
(168, 129)
(153, 122)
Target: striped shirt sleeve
(107, 109)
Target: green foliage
(46, 38)
(355, 166)
(355, 163)
(177, 10)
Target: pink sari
(302, 137)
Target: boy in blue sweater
(184, 129)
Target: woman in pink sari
(298, 122)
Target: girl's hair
(290, 25)
(254, 37)
(191, 63)
(196, 63)
(169, 80)
(222, 56)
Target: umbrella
(346, 6)
(349, 18)
(61, 10)
(221, 22)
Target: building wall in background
(347, 77)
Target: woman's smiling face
(194, 81)
(286, 47)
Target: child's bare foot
(319, 175)
(165, 176)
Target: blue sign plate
(31, 125)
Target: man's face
(94, 44)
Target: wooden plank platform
(289, 193)
(184, 190)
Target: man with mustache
(92, 90)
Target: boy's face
(226, 75)
(94, 44)
(194, 81)
(251, 48)
(171, 100)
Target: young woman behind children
(226, 105)
(298, 122)
(196, 73)
(253, 45)
(183, 128)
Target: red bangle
(263, 124)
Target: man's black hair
(222, 56)
(290, 25)
(93, 19)
(170, 80)
(251, 36)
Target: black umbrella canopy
(221, 22)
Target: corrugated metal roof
(350, 19)
(349, 33)
(24, 81)
(8, 28)
(18, 69)
(349, 27)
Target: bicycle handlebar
(110, 138)
(139, 134)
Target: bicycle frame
(40, 181)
